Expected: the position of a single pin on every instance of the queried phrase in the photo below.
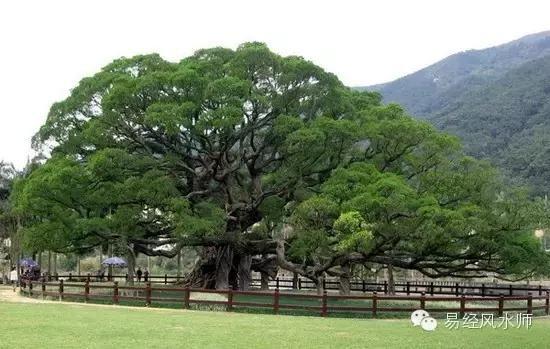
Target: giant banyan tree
(261, 162)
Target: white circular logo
(428, 323)
(418, 315)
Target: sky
(46, 47)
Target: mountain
(508, 122)
(497, 100)
(429, 90)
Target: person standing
(13, 278)
(139, 273)
(146, 275)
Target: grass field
(53, 325)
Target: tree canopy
(249, 154)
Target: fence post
(30, 287)
(43, 284)
(115, 292)
(324, 304)
(529, 303)
(324, 284)
(408, 288)
(456, 289)
(483, 290)
(87, 291)
(423, 300)
(70, 277)
(501, 305)
(374, 304)
(61, 289)
(547, 303)
(462, 305)
(364, 286)
(56, 276)
(276, 301)
(88, 278)
(540, 290)
(277, 283)
(186, 297)
(166, 279)
(230, 300)
(511, 290)
(299, 283)
(432, 288)
(148, 294)
(385, 287)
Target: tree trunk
(149, 263)
(294, 281)
(319, 283)
(131, 256)
(179, 264)
(54, 263)
(203, 274)
(264, 281)
(243, 272)
(110, 268)
(345, 282)
(223, 267)
(19, 257)
(267, 267)
(391, 281)
(49, 263)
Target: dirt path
(8, 295)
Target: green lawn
(84, 326)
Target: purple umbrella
(115, 262)
(28, 263)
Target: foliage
(8, 220)
(254, 154)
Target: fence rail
(324, 304)
(407, 287)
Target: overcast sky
(46, 47)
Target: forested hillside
(508, 121)
(496, 100)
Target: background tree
(9, 247)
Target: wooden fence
(407, 287)
(325, 304)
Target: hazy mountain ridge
(497, 100)
(428, 90)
